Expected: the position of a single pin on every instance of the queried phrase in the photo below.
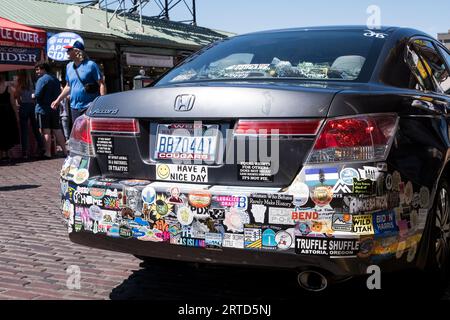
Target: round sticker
(322, 195)
(283, 240)
(199, 199)
(95, 213)
(81, 176)
(161, 207)
(408, 192)
(235, 220)
(185, 215)
(149, 195)
(97, 193)
(389, 182)
(300, 192)
(424, 197)
(163, 171)
(348, 174)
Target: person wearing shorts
(48, 89)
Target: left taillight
(359, 138)
(81, 137)
(80, 141)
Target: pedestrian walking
(84, 81)
(9, 131)
(47, 89)
(64, 113)
(23, 95)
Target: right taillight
(356, 138)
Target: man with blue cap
(84, 80)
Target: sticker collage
(360, 211)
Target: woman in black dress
(9, 132)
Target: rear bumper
(246, 224)
(339, 268)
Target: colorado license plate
(186, 141)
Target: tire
(438, 264)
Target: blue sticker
(138, 233)
(348, 174)
(268, 238)
(384, 223)
(322, 176)
(114, 231)
(141, 222)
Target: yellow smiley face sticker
(163, 171)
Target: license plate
(186, 141)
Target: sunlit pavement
(35, 253)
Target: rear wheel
(439, 253)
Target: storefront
(121, 46)
(153, 62)
(21, 47)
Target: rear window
(305, 54)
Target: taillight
(80, 141)
(356, 138)
(278, 127)
(115, 125)
(81, 129)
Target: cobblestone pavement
(35, 253)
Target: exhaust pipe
(312, 280)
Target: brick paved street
(35, 252)
(34, 248)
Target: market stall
(21, 47)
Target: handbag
(88, 87)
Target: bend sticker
(182, 173)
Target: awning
(20, 46)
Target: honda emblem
(184, 102)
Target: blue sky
(241, 16)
